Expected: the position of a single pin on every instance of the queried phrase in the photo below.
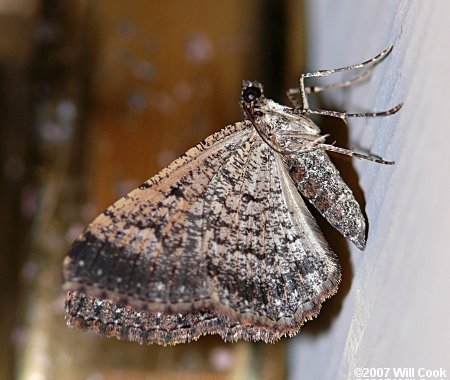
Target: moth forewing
(240, 251)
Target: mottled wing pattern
(220, 242)
(127, 249)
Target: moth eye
(250, 94)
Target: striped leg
(293, 94)
(301, 100)
(344, 115)
(351, 153)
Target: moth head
(251, 92)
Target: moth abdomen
(318, 180)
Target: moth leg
(293, 94)
(345, 115)
(351, 153)
(391, 111)
(319, 140)
(294, 147)
(345, 83)
(302, 101)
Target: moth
(221, 241)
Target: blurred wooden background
(97, 97)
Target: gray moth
(221, 241)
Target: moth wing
(131, 249)
(219, 242)
(268, 262)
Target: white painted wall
(396, 312)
